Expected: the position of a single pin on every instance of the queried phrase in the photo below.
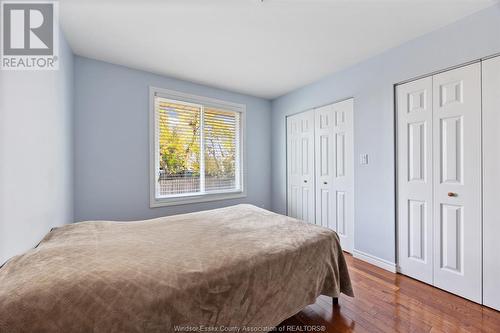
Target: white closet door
(343, 172)
(293, 166)
(457, 181)
(491, 177)
(334, 170)
(415, 204)
(300, 146)
(325, 150)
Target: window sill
(175, 201)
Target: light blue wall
(112, 142)
(36, 169)
(371, 84)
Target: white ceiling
(264, 49)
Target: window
(196, 148)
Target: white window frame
(181, 199)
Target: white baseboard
(382, 263)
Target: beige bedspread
(236, 266)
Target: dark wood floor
(387, 302)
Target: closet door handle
(325, 183)
(452, 194)
(305, 181)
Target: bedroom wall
(36, 191)
(371, 84)
(112, 143)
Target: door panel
(340, 154)
(340, 218)
(416, 229)
(457, 181)
(415, 204)
(451, 150)
(324, 155)
(491, 182)
(293, 201)
(300, 166)
(324, 211)
(452, 245)
(417, 150)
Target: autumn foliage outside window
(198, 148)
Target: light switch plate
(363, 159)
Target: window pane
(221, 149)
(179, 144)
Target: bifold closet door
(334, 170)
(324, 147)
(457, 181)
(415, 179)
(343, 181)
(300, 166)
(439, 180)
(491, 176)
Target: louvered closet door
(457, 181)
(415, 179)
(300, 166)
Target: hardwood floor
(387, 302)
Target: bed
(239, 266)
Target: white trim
(379, 262)
(153, 163)
(154, 202)
(190, 98)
